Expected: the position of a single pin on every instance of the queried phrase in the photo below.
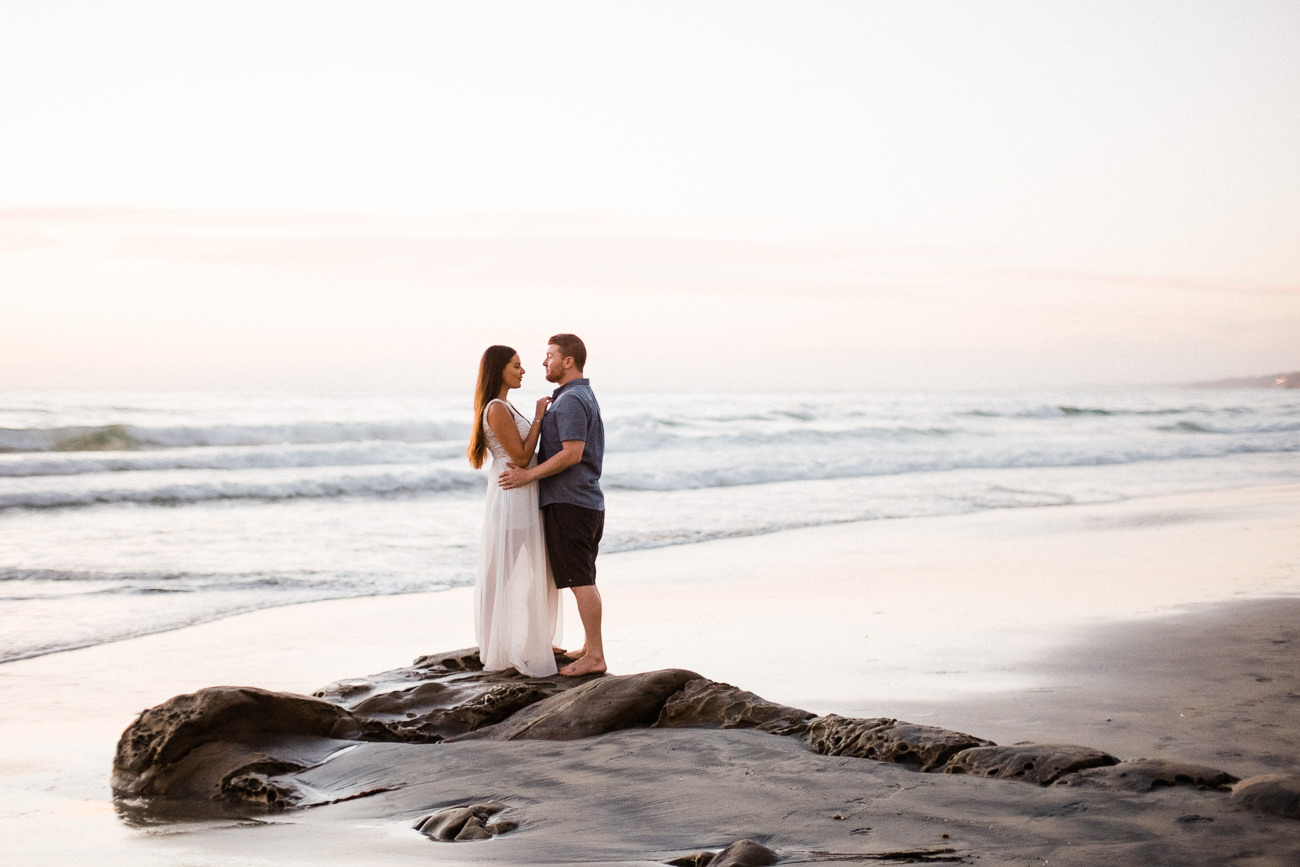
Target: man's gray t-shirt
(573, 415)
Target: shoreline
(188, 588)
(939, 621)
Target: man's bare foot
(578, 654)
(562, 652)
(586, 665)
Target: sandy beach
(1151, 628)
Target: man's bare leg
(590, 610)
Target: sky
(751, 195)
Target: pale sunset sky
(750, 195)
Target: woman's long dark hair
(491, 370)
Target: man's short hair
(571, 346)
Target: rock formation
(242, 749)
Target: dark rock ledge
(238, 749)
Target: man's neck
(571, 377)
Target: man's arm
(569, 454)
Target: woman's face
(514, 373)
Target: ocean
(124, 513)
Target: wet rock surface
(464, 824)
(1030, 763)
(595, 706)
(1275, 794)
(742, 853)
(204, 744)
(1146, 775)
(704, 703)
(258, 751)
(439, 696)
(888, 740)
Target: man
(570, 455)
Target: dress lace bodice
(497, 450)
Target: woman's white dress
(516, 607)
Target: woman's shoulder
(499, 408)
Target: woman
(516, 607)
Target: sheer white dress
(516, 606)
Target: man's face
(553, 363)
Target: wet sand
(1151, 628)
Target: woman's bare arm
(502, 422)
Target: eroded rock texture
(888, 740)
(1145, 775)
(246, 749)
(223, 743)
(601, 705)
(1031, 763)
(440, 696)
(704, 703)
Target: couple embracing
(545, 512)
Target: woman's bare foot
(578, 654)
(586, 665)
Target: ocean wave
(719, 463)
(737, 466)
(1188, 427)
(129, 437)
(1069, 411)
(660, 443)
(163, 489)
(365, 453)
(691, 442)
(714, 440)
(62, 582)
(1231, 428)
(53, 611)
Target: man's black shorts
(572, 538)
